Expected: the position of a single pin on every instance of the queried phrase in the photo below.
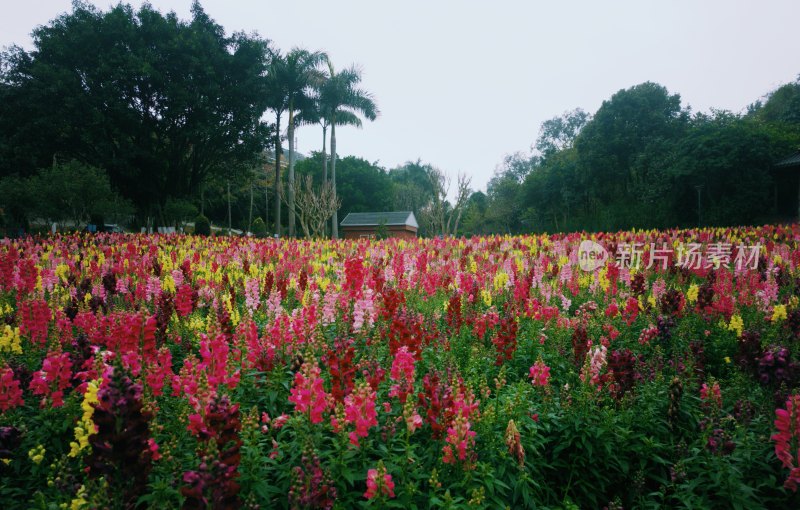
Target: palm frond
(347, 118)
(343, 98)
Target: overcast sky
(462, 83)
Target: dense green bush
(202, 227)
(259, 229)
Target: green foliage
(177, 211)
(202, 227)
(411, 190)
(639, 162)
(559, 133)
(259, 229)
(71, 192)
(382, 232)
(16, 199)
(362, 186)
(731, 158)
(782, 106)
(160, 103)
(473, 222)
(506, 195)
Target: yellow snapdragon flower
(736, 324)
(10, 341)
(85, 426)
(605, 283)
(692, 293)
(168, 284)
(37, 454)
(500, 280)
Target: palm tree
(342, 101)
(298, 73)
(277, 101)
(317, 115)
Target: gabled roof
(793, 160)
(373, 219)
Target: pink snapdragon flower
(308, 394)
(359, 410)
(539, 373)
(379, 483)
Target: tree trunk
(266, 198)
(324, 154)
(278, 176)
(250, 216)
(335, 217)
(230, 225)
(291, 172)
(324, 167)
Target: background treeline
(140, 118)
(644, 160)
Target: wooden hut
(375, 224)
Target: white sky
(462, 83)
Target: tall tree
(559, 133)
(474, 222)
(782, 105)
(300, 73)
(276, 94)
(411, 189)
(634, 121)
(159, 103)
(439, 215)
(319, 114)
(344, 101)
(504, 191)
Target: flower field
(171, 371)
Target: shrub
(259, 228)
(202, 227)
(178, 211)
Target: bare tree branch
(439, 215)
(314, 206)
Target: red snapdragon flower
(403, 374)
(153, 447)
(711, 394)
(787, 440)
(631, 310)
(53, 378)
(35, 319)
(185, 300)
(10, 391)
